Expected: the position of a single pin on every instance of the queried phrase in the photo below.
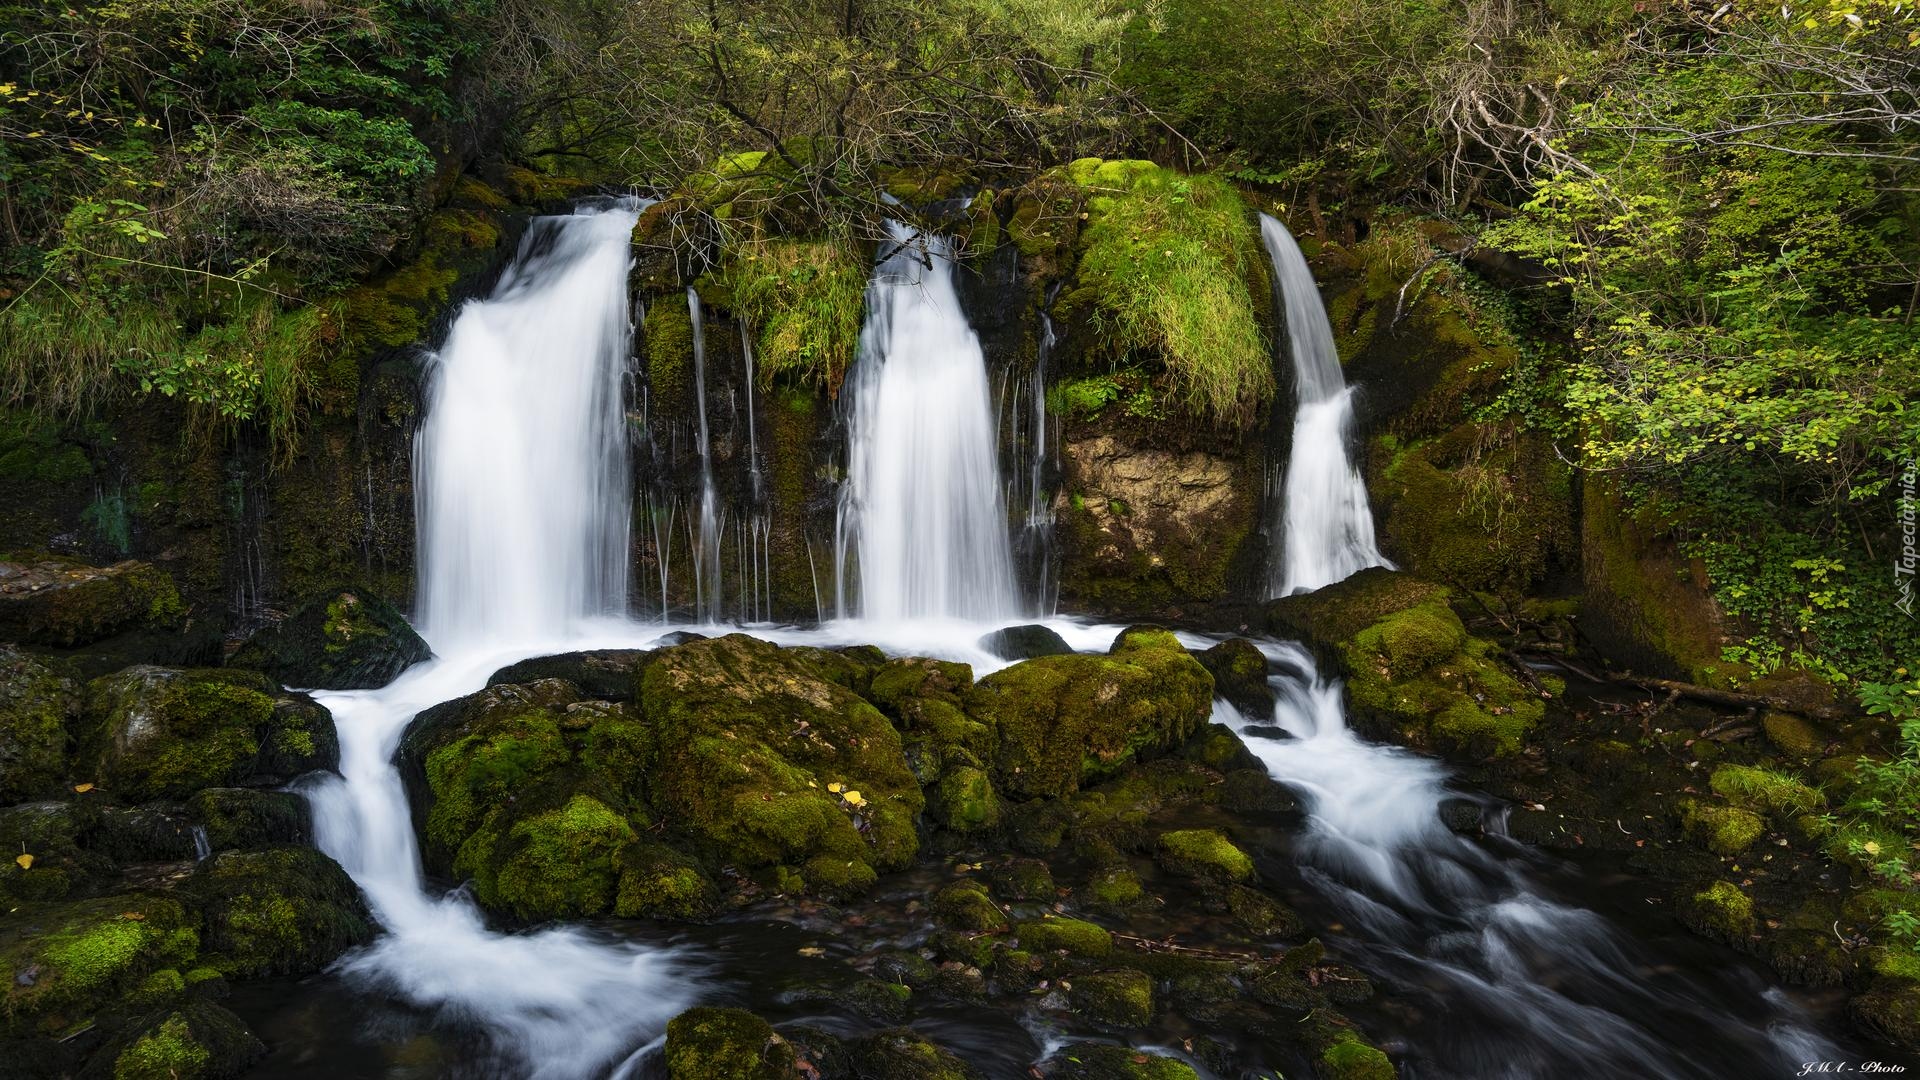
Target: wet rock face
(1025, 643)
(36, 705)
(349, 639)
(1145, 529)
(155, 732)
(65, 603)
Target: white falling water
(922, 519)
(521, 465)
(522, 531)
(1534, 989)
(1324, 522)
(706, 543)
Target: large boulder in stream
(165, 733)
(1059, 722)
(1413, 672)
(347, 639)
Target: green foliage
(1165, 261)
(1877, 826)
(805, 297)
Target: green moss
(667, 335)
(1114, 887)
(1642, 601)
(1723, 830)
(901, 1054)
(964, 801)
(565, 862)
(159, 987)
(1072, 936)
(1719, 911)
(725, 1044)
(805, 297)
(1204, 853)
(36, 705)
(168, 1052)
(1485, 507)
(1418, 638)
(1120, 998)
(1765, 790)
(1166, 258)
(344, 639)
(965, 905)
(659, 883)
(1062, 721)
(761, 761)
(1348, 1057)
(76, 604)
(1104, 1061)
(288, 910)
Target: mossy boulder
(1890, 1009)
(63, 962)
(1120, 998)
(1719, 911)
(348, 639)
(36, 706)
(966, 905)
(760, 759)
(1239, 671)
(709, 1043)
(1349, 1057)
(1412, 669)
(1723, 830)
(197, 1040)
(250, 818)
(964, 801)
(1063, 721)
(48, 600)
(1075, 937)
(281, 911)
(1765, 790)
(165, 733)
(1105, 1061)
(539, 796)
(607, 674)
(903, 1054)
(1204, 853)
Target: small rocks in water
(345, 639)
(1025, 642)
(678, 637)
(1460, 815)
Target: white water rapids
(521, 471)
(523, 507)
(1323, 526)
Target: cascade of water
(1530, 987)
(753, 439)
(706, 571)
(525, 395)
(1323, 527)
(922, 522)
(522, 535)
(1025, 415)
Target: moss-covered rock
(199, 1040)
(965, 905)
(901, 1054)
(1120, 998)
(1349, 1057)
(760, 760)
(347, 639)
(707, 1043)
(36, 706)
(1204, 853)
(1890, 1009)
(250, 818)
(65, 961)
(1412, 669)
(282, 911)
(1104, 1061)
(1723, 830)
(1720, 911)
(1645, 605)
(154, 732)
(61, 602)
(1074, 937)
(1063, 721)
(1239, 672)
(606, 674)
(1113, 888)
(1025, 642)
(964, 801)
(1765, 790)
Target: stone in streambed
(1104, 1061)
(607, 674)
(1063, 721)
(152, 733)
(347, 639)
(708, 1043)
(1239, 672)
(904, 1054)
(282, 911)
(36, 706)
(1025, 642)
(1203, 853)
(1119, 998)
(198, 1040)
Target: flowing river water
(523, 512)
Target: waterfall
(1033, 543)
(922, 525)
(753, 440)
(520, 466)
(523, 520)
(706, 545)
(1517, 984)
(1322, 524)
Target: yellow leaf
(25, 862)
(835, 788)
(854, 798)
(83, 788)
(134, 916)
